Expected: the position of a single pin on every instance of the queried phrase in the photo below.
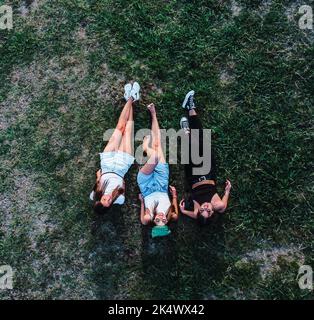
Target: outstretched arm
(98, 175)
(145, 219)
(174, 215)
(191, 214)
(224, 201)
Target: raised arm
(191, 214)
(223, 204)
(145, 218)
(174, 214)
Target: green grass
(62, 71)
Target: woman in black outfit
(204, 200)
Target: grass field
(62, 71)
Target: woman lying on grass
(204, 200)
(153, 181)
(117, 158)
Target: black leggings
(195, 123)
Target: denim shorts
(116, 161)
(158, 180)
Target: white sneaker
(135, 92)
(184, 124)
(127, 91)
(188, 102)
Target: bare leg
(114, 141)
(152, 161)
(150, 151)
(126, 144)
(156, 136)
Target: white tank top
(113, 181)
(163, 202)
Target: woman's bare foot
(151, 108)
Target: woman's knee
(156, 145)
(121, 126)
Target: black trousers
(195, 123)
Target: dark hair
(99, 208)
(98, 195)
(188, 202)
(202, 220)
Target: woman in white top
(153, 181)
(117, 157)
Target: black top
(203, 193)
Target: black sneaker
(188, 102)
(184, 124)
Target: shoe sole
(136, 91)
(183, 119)
(192, 92)
(186, 130)
(127, 91)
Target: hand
(228, 186)
(141, 197)
(181, 205)
(173, 191)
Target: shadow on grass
(108, 251)
(159, 264)
(183, 265)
